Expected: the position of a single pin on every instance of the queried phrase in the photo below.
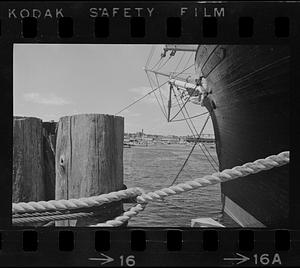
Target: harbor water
(154, 167)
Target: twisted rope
(35, 214)
(125, 217)
(143, 198)
(58, 217)
(86, 202)
(217, 177)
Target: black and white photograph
(189, 135)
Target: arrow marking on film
(104, 260)
(241, 259)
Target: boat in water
(245, 89)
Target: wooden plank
(89, 160)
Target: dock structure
(79, 156)
(89, 161)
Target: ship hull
(249, 107)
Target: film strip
(70, 195)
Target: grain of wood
(89, 160)
(28, 183)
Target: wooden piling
(89, 161)
(28, 183)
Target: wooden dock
(79, 156)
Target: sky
(55, 80)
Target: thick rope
(52, 217)
(125, 217)
(143, 198)
(85, 202)
(218, 177)
(36, 214)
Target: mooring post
(28, 181)
(89, 162)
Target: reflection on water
(155, 167)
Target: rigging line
(150, 92)
(190, 130)
(162, 95)
(181, 112)
(185, 74)
(174, 72)
(195, 135)
(208, 158)
(165, 115)
(190, 120)
(202, 143)
(184, 103)
(158, 67)
(150, 56)
(163, 64)
(158, 62)
(161, 108)
(199, 137)
(183, 54)
(163, 103)
(192, 147)
(182, 167)
(213, 159)
(154, 82)
(186, 64)
(174, 105)
(178, 120)
(186, 160)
